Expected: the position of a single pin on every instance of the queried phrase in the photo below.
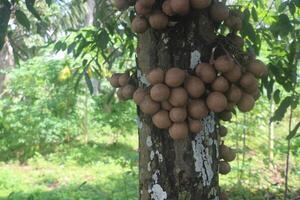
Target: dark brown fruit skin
(139, 25)
(139, 95)
(120, 95)
(258, 68)
(175, 77)
(230, 105)
(220, 84)
(246, 103)
(227, 153)
(178, 131)
(148, 106)
(178, 114)
(224, 63)
(195, 126)
(206, 72)
(234, 94)
(200, 4)
(197, 109)
(166, 105)
(114, 80)
(127, 91)
(160, 92)
(194, 87)
(181, 7)
(161, 119)
(121, 4)
(178, 97)
(248, 80)
(156, 76)
(234, 74)
(222, 131)
(219, 11)
(224, 168)
(234, 23)
(225, 115)
(147, 3)
(142, 10)
(124, 79)
(166, 8)
(216, 102)
(158, 20)
(235, 40)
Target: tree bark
(6, 62)
(183, 169)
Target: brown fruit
(142, 10)
(234, 94)
(166, 8)
(200, 4)
(178, 114)
(124, 79)
(222, 131)
(175, 77)
(233, 22)
(160, 92)
(224, 167)
(147, 3)
(139, 24)
(178, 97)
(206, 72)
(139, 95)
(120, 95)
(257, 67)
(216, 102)
(197, 109)
(219, 11)
(224, 63)
(255, 94)
(127, 91)
(235, 40)
(114, 80)
(223, 196)
(166, 105)
(220, 84)
(227, 153)
(181, 7)
(234, 74)
(148, 106)
(161, 119)
(156, 76)
(246, 103)
(230, 105)
(158, 20)
(121, 4)
(194, 86)
(248, 81)
(195, 126)
(225, 115)
(178, 131)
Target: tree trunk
(6, 62)
(182, 169)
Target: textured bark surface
(184, 169)
(6, 62)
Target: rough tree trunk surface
(183, 169)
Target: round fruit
(139, 24)
(200, 4)
(142, 10)
(160, 92)
(161, 119)
(224, 168)
(246, 103)
(156, 76)
(248, 80)
(233, 22)
(235, 40)
(158, 20)
(114, 80)
(220, 84)
(124, 79)
(174, 77)
(222, 131)
(148, 106)
(234, 94)
(121, 4)
(224, 63)
(234, 74)
(197, 109)
(227, 153)
(181, 7)
(195, 126)
(206, 72)
(194, 87)
(147, 3)
(178, 97)
(216, 102)
(166, 105)
(258, 68)
(139, 95)
(127, 91)
(178, 131)
(120, 95)
(230, 105)
(225, 116)
(166, 8)
(178, 114)
(219, 11)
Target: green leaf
(292, 8)
(282, 6)
(276, 96)
(293, 132)
(22, 19)
(30, 7)
(49, 2)
(254, 14)
(88, 82)
(282, 109)
(4, 18)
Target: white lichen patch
(149, 141)
(213, 194)
(195, 59)
(156, 191)
(139, 123)
(142, 78)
